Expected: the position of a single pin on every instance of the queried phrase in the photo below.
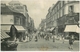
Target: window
(3, 5)
(53, 12)
(19, 7)
(53, 17)
(57, 8)
(63, 11)
(17, 21)
(59, 14)
(63, 3)
(71, 10)
(59, 5)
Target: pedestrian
(53, 38)
(39, 35)
(62, 38)
(71, 40)
(36, 39)
(35, 36)
(48, 36)
(28, 37)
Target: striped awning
(4, 35)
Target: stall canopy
(4, 35)
(7, 28)
(72, 28)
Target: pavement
(43, 45)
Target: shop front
(16, 36)
(72, 29)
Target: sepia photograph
(40, 25)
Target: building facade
(31, 25)
(58, 15)
(8, 18)
(16, 14)
(42, 26)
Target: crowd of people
(37, 35)
(48, 36)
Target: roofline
(55, 4)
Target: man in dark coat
(71, 40)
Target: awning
(78, 30)
(4, 35)
(20, 28)
(70, 28)
(7, 28)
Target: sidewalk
(66, 40)
(74, 41)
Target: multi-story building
(30, 25)
(63, 13)
(18, 7)
(14, 14)
(42, 25)
(8, 18)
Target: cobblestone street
(43, 45)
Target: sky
(37, 9)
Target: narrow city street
(40, 25)
(43, 45)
